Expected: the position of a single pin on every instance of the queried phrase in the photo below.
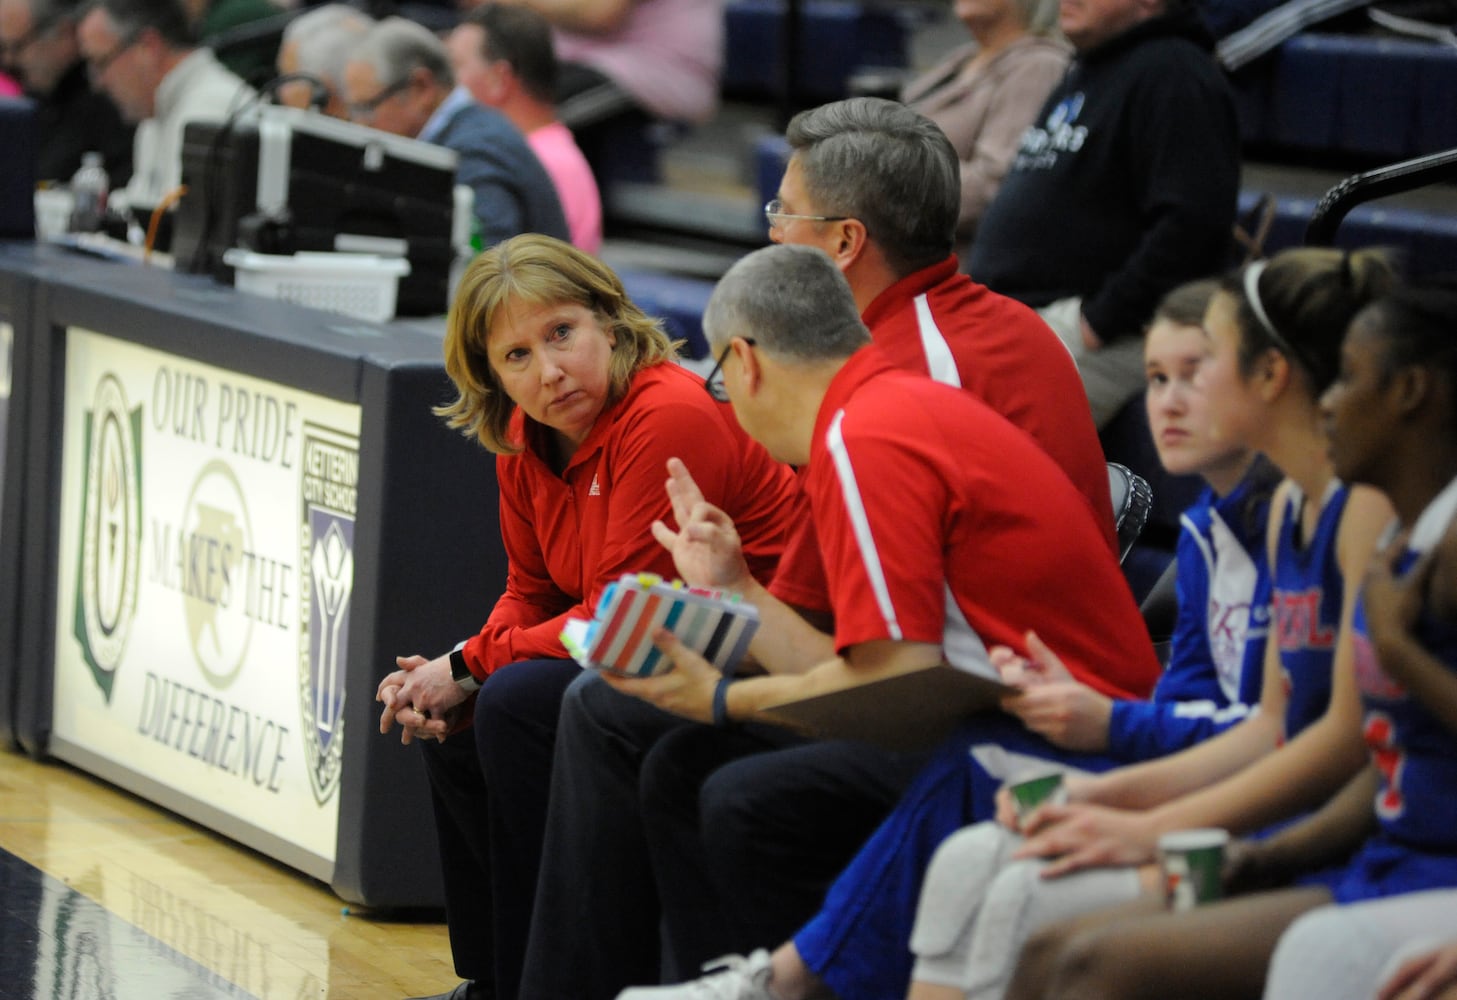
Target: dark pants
(489, 788)
(726, 839)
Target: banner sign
(205, 573)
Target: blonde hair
(541, 270)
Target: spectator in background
(144, 55)
(985, 93)
(502, 54)
(38, 43)
(632, 61)
(318, 43)
(399, 80)
(1124, 188)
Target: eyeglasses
(366, 109)
(775, 215)
(98, 67)
(714, 382)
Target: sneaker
(732, 977)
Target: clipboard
(910, 711)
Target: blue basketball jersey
(1415, 845)
(1214, 671)
(1306, 594)
(1414, 752)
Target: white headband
(1252, 295)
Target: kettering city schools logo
(329, 494)
(111, 531)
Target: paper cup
(1192, 862)
(1029, 793)
(52, 212)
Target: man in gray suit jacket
(399, 80)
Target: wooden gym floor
(106, 897)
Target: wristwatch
(460, 673)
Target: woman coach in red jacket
(575, 391)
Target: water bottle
(89, 186)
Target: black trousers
(722, 840)
(489, 790)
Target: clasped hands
(421, 696)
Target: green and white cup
(1029, 793)
(1192, 863)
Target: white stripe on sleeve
(939, 360)
(860, 524)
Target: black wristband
(720, 702)
(460, 671)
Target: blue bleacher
(837, 37)
(1428, 240)
(679, 301)
(771, 154)
(1353, 98)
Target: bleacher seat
(771, 153)
(631, 151)
(1427, 239)
(836, 38)
(1354, 98)
(678, 301)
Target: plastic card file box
(619, 637)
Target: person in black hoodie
(1123, 188)
(38, 44)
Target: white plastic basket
(355, 284)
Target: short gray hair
(792, 300)
(325, 37)
(395, 47)
(888, 166)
